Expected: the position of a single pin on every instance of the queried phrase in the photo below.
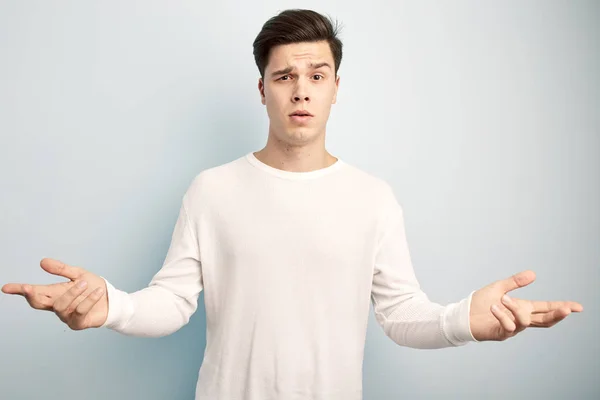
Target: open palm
(80, 307)
(496, 316)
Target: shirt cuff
(456, 322)
(120, 307)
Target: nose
(297, 98)
(300, 93)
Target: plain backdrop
(484, 117)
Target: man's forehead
(305, 54)
(319, 47)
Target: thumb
(518, 280)
(56, 267)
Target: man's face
(299, 77)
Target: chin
(301, 136)
(295, 135)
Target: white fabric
(289, 263)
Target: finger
(84, 307)
(518, 280)
(81, 297)
(550, 318)
(505, 321)
(31, 293)
(13, 288)
(55, 289)
(51, 266)
(575, 307)
(50, 290)
(547, 306)
(506, 311)
(520, 310)
(56, 267)
(63, 306)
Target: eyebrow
(289, 69)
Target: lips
(300, 119)
(301, 113)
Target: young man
(290, 245)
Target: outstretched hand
(496, 316)
(80, 303)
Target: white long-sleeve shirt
(289, 263)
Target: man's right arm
(172, 295)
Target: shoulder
(376, 188)
(214, 180)
(377, 199)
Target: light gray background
(484, 116)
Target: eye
(282, 78)
(321, 77)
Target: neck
(302, 158)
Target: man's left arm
(410, 319)
(402, 309)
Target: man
(290, 245)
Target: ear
(337, 85)
(261, 89)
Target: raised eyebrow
(319, 65)
(287, 70)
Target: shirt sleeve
(402, 309)
(172, 295)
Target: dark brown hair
(294, 26)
